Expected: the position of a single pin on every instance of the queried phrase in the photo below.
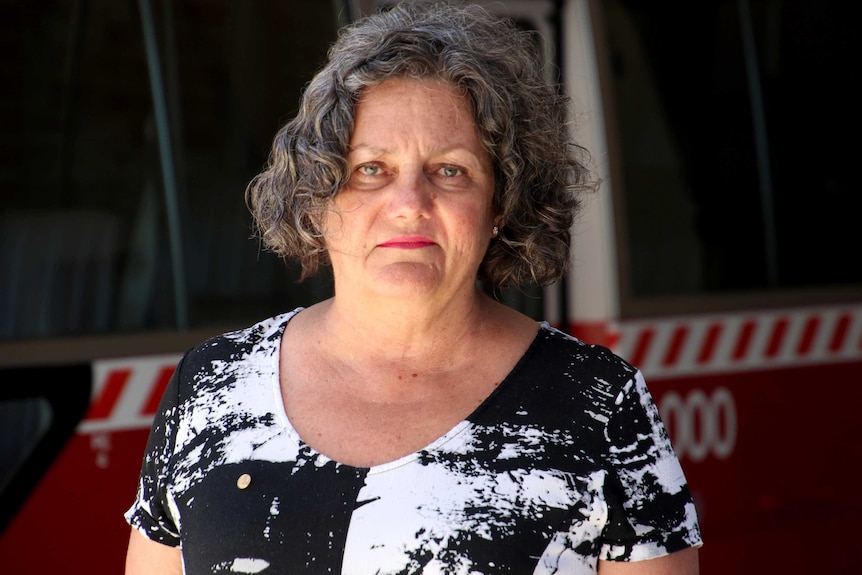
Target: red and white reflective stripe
(126, 392)
(767, 339)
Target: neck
(398, 330)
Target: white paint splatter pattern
(567, 462)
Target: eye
(451, 171)
(369, 169)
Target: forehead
(401, 85)
(420, 108)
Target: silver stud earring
(495, 230)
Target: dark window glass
(736, 123)
(90, 227)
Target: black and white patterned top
(566, 462)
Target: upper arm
(684, 562)
(650, 505)
(147, 557)
(150, 512)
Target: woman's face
(415, 217)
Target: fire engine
(719, 255)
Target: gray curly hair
(522, 120)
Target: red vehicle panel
(762, 409)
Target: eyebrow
(368, 147)
(378, 151)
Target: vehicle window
(733, 119)
(92, 222)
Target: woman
(411, 424)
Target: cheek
(342, 216)
(481, 219)
(332, 227)
(474, 230)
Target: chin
(407, 280)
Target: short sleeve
(152, 512)
(651, 511)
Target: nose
(412, 195)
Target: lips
(407, 243)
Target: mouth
(407, 243)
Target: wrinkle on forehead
(450, 111)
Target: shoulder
(568, 376)
(560, 377)
(227, 383)
(577, 360)
(222, 357)
(259, 338)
